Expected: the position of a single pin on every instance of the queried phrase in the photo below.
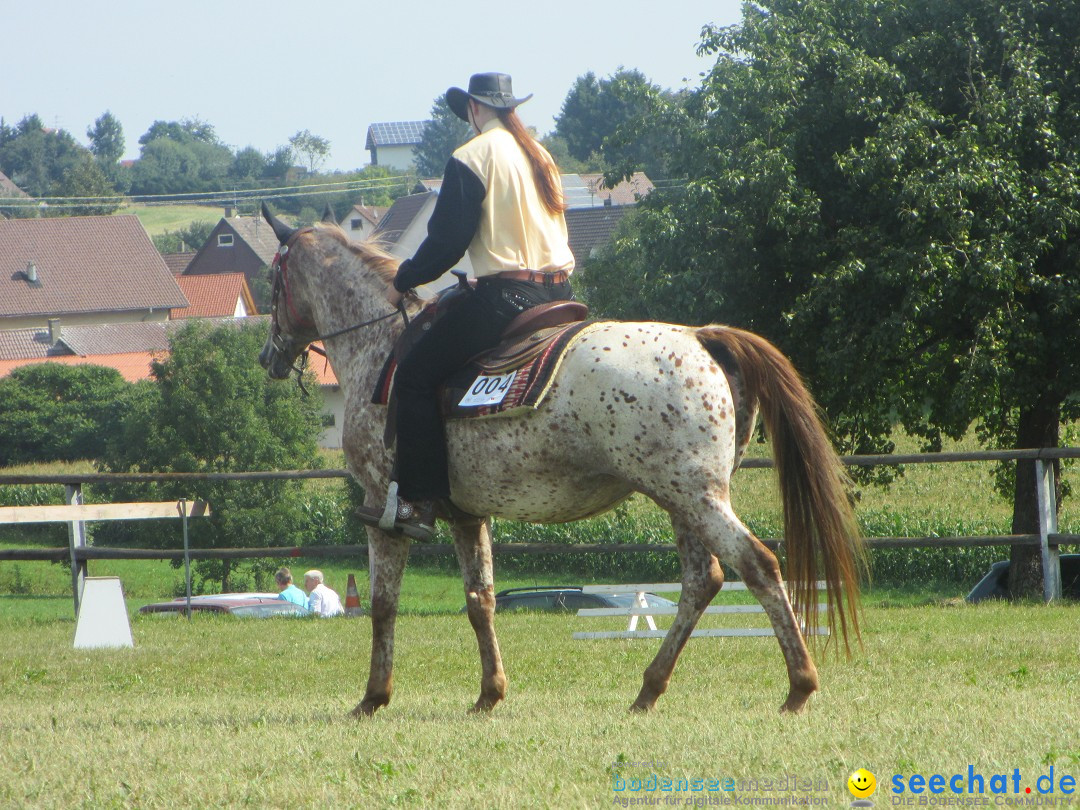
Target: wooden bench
(641, 608)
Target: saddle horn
(282, 231)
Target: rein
(280, 285)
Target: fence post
(187, 556)
(1051, 560)
(76, 540)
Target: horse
(654, 408)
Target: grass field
(227, 713)
(157, 219)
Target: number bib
(488, 390)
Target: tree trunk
(226, 570)
(1039, 426)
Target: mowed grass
(228, 713)
(157, 219)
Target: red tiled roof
(83, 265)
(133, 366)
(123, 346)
(9, 189)
(214, 296)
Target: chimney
(31, 272)
(54, 331)
(229, 211)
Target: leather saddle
(524, 340)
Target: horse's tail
(819, 523)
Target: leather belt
(535, 276)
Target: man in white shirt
(322, 601)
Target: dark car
(248, 605)
(995, 585)
(568, 599)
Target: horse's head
(291, 325)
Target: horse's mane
(371, 251)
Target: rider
(501, 200)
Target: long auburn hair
(545, 173)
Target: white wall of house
(85, 318)
(395, 157)
(410, 240)
(333, 411)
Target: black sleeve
(451, 228)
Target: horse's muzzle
(274, 361)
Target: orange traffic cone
(352, 598)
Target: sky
(260, 72)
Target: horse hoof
(483, 706)
(366, 708)
(794, 705)
(642, 708)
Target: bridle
(279, 294)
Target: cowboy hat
(493, 90)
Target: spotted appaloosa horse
(655, 408)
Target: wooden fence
(1048, 539)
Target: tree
(891, 193)
(313, 149)
(215, 410)
(55, 412)
(36, 157)
(181, 156)
(442, 134)
(87, 179)
(249, 165)
(106, 140)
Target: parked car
(249, 605)
(995, 585)
(567, 599)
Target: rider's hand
(393, 296)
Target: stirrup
(389, 515)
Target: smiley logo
(862, 783)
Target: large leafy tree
(106, 139)
(443, 133)
(55, 412)
(890, 191)
(603, 123)
(181, 156)
(215, 410)
(36, 157)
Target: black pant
(470, 327)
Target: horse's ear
(282, 231)
(328, 215)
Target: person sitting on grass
(322, 601)
(289, 592)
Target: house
(404, 226)
(9, 189)
(178, 262)
(82, 270)
(130, 348)
(627, 192)
(591, 229)
(221, 295)
(393, 143)
(361, 220)
(236, 245)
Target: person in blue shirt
(289, 592)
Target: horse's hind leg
(391, 554)
(702, 579)
(733, 543)
(472, 541)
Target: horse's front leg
(472, 541)
(387, 568)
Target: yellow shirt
(516, 231)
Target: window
(225, 240)
(356, 224)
